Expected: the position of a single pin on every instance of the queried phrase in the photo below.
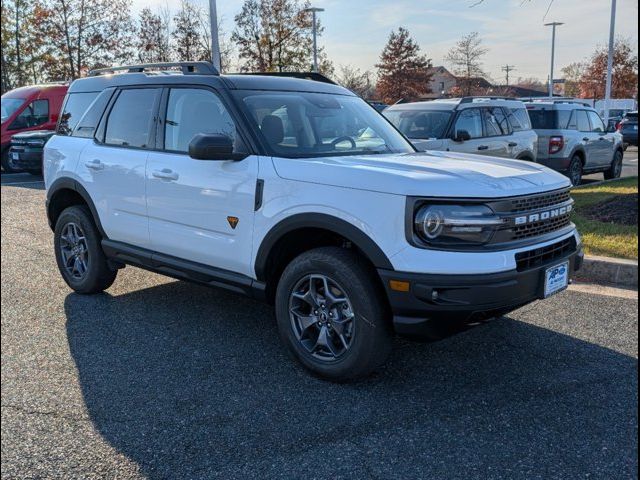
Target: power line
(507, 69)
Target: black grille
(544, 255)
(536, 202)
(540, 228)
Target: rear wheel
(79, 255)
(332, 315)
(575, 171)
(615, 171)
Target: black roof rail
(318, 77)
(188, 68)
(470, 99)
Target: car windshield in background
(632, 116)
(9, 107)
(305, 125)
(418, 124)
(549, 119)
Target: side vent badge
(233, 221)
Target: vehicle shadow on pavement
(191, 382)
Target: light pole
(215, 43)
(607, 93)
(314, 11)
(553, 53)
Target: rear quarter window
(519, 119)
(74, 108)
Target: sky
(513, 30)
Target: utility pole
(314, 11)
(507, 69)
(553, 53)
(612, 32)
(215, 42)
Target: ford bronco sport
(299, 193)
(493, 126)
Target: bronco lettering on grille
(538, 217)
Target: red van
(29, 108)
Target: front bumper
(27, 159)
(466, 297)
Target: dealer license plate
(15, 156)
(556, 279)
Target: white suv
(494, 126)
(299, 193)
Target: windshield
(9, 106)
(420, 124)
(306, 125)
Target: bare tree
(466, 58)
(153, 40)
(361, 83)
(89, 33)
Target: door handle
(513, 144)
(483, 147)
(94, 164)
(585, 139)
(165, 174)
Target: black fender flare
(326, 222)
(583, 153)
(71, 184)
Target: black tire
(615, 171)
(6, 164)
(575, 171)
(372, 333)
(98, 275)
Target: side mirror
(462, 136)
(213, 146)
(18, 123)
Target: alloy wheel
(322, 317)
(74, 251)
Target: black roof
(233, 82)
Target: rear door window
(597, 125)
(131, 119)
(469, 120)
(582, 121)
(495, 122)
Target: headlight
(445, 225)
(35, 143)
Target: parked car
(628, 128)
(486, 126)
(379, 106)
(573, 139)
(298, 193)
(28, 108)
(27, 149)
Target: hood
(46, 134)
(434, 174)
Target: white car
(299, 193)
(492, 126)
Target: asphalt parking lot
(158, 378)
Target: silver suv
(483, 125)
(573, 139)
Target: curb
(607, 270)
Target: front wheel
(615, 171)
(332, 315)
(7, 165)
(79, 254)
